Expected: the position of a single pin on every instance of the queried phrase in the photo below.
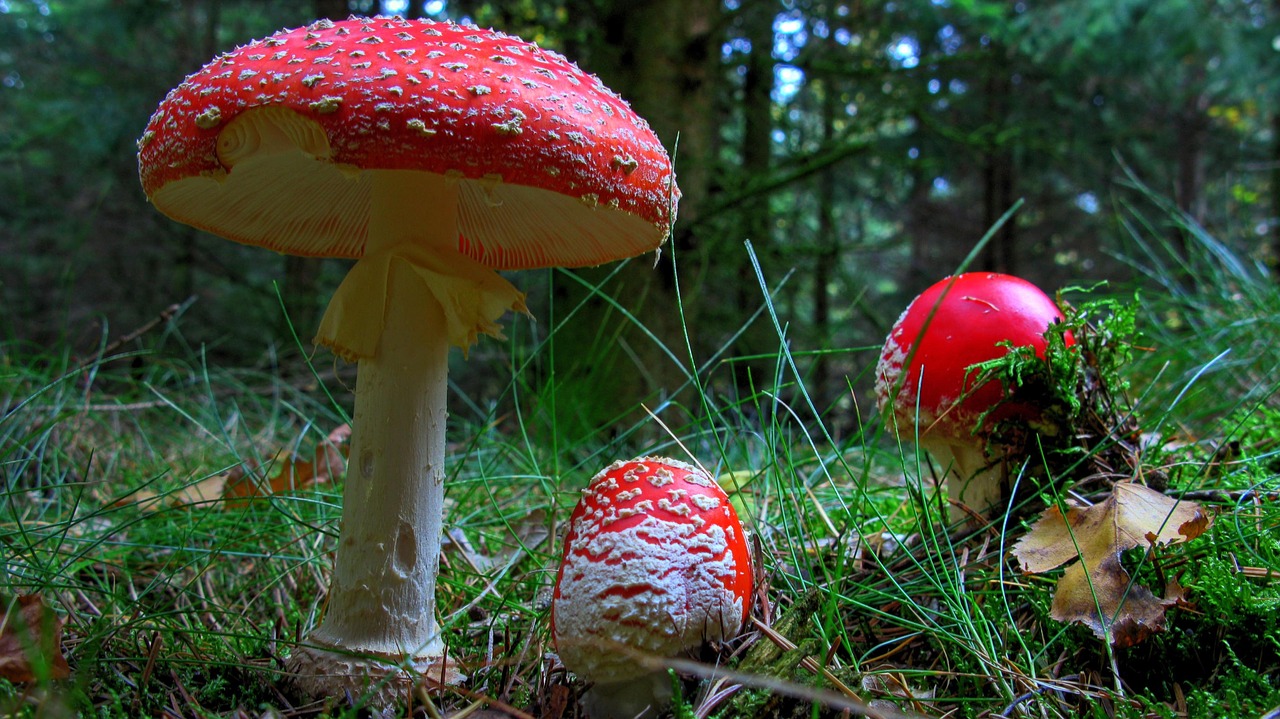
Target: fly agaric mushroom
(433, 154)
(655, 564)
(924, 375)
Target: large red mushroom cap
(457, 150)
(553, 168)
(924, 373)
(655, 560)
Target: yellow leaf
(203, 492)
(1097, 591)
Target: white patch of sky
(949, 39)
(905, 52)
(42, 7)
(789, 36)
(394, 7)
(434, 7)
(941, 188)
(791, 33)
(735, 45)
(787, 82)
(1088, 202)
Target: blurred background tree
(862, 147)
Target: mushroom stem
(642, 697)
(383, 595)
(381, 608)
(973, 479)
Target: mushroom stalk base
(643, 697)
(381, 604)
(379, 683)
(974, 481)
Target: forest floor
(168, 529)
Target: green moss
(1224, 649)
(1241, 690)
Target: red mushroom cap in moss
(924, 370)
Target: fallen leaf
(1097, 591)
(31, 637)
(529, 531)
(291, 474)
(205, 491)
(236, 484)
(735, 484)
(328, 464)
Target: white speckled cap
(553, 168)
(656, 561)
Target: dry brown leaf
(203, 492)
(30, 631)
(146, 499)
(1097, 590)
(328, 465)
(530, 532)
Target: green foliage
(222, 592)
(1085, 424)
(1221, 651)
(1091, 348)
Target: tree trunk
(755, 218)
(998, 171)
(300, 292)
(331, 9)
(826, 256)
(1274, 260)
(662, 56)
(1189, 126)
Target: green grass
(189, 609)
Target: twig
(1041, 689)
(1226, 496)
(166, 315)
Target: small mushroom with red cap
(434, 155)
(656, 565)
(924, 381)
